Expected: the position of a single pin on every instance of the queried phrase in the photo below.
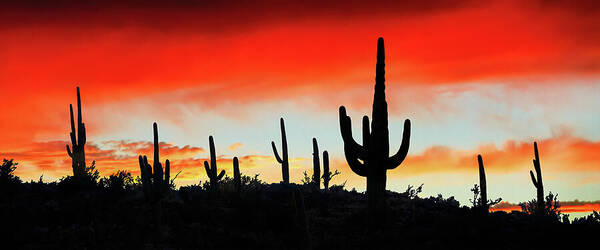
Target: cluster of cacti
(372, 160)
(155, 184)
(285, 166)
(537, 182)
(78, 140)
(211, 169)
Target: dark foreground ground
(70, 215)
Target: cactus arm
(346, 130)
(275, 152)
(399, 157)
(69, 152)
(355, 165)
(207, 168)
(366, 133)
(533, 179)
(221, 175)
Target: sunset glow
(474, 77)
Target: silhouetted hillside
(69, 214)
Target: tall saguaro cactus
(372, 159)
(211, 170)
(78, 140)
(285, 166)
(155, 184)
(482, 184)
(537, 182)
(316, 164)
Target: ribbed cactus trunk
(78, 139)
(483, 185)
(285, 166)
(211, 169)
(539, 185)
(374, 153)
(237, 177)
(316, 165)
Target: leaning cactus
(482, 183)
(372, 160)
(285, 166)
(211, 170)
(537, 182)
(78, 139)
(316, 179)
(155, 184)
(237, 177)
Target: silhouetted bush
(550, 209)
(119, 181)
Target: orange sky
(475, 77)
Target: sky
(474, 77)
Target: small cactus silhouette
(155, 184)
(285, 166)
(78, 139)
(237, 177)
(327, 175)
(537, 182)
(482, 184)
(372, 160)
(211, 170)
(316, 178)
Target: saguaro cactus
(237, 177)
(482, 184)
(316, 164)
(285, 166)
(327, 175)
(372, 160)
(155, 184)
(78, 139)
(537, 182)
(211, 170)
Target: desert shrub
(591, 219)
(119, 181)
(412, 192)
(88, 180)
(551, 207)
(476, 202)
